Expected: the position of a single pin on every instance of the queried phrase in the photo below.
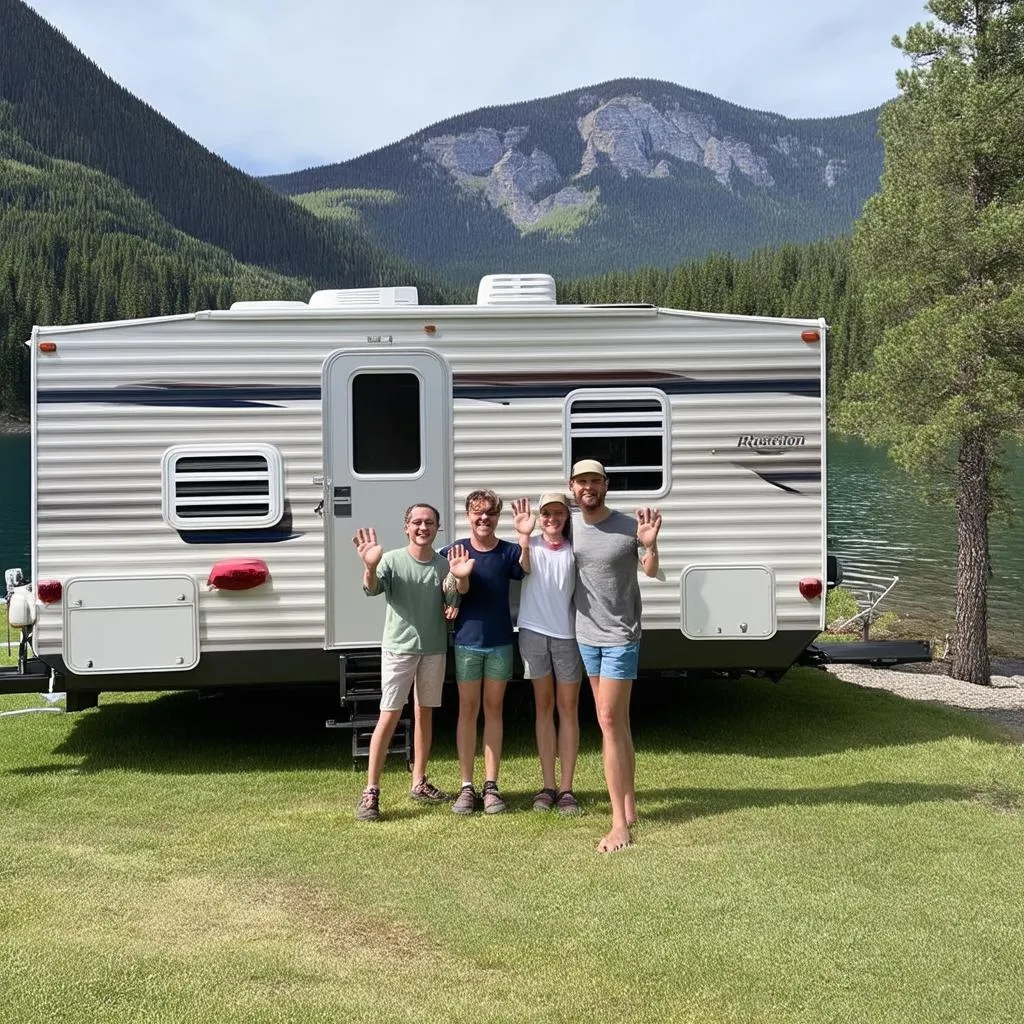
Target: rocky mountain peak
(628, 133)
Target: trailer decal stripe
(785, 480)
(493, 390)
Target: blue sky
(277, 86)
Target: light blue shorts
(611, 662)
(474, 663)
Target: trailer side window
(627, 431)
(386, 416)
(211, 487)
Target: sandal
(545, 800)
(567, 803)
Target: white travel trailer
(197, 479)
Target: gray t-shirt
(607, 589)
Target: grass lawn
(808, 851)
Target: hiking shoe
(567, 804)
(425, 792)
(368, 808)
(493, 804)
(545, 800)
(465, 802)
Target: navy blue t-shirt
(484, 617)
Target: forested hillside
(60, 103)
(76, 246)
(791, 280)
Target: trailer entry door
(387, 443)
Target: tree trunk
(973, 504)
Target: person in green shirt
(415, 642)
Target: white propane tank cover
(516, 290)
(21, 611)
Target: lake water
(877, 522)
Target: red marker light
(50, 591)
(47, 346)
(810, 336)
(810, 587)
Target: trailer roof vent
(516, 290)
(364, 298)
(261, 305)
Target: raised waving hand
(648, 523)
(369, 549)
(523, 518)
(460, 565)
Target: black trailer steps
(868, 652)
(359, 693)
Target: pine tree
(941, 251)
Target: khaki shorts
(549, 656)
(398, 673)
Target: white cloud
(276, 86)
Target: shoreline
(11, 425)
(1001, 702)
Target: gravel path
(1002, 702)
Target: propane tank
(21, 609)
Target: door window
(386, 424)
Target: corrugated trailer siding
(98, 470)
(100, 513)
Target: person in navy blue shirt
(484, 640)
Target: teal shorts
(475, 663)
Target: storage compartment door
(131, 624)
(728, 602)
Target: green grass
(808, 851)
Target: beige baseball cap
(587, 466)
(552, 497)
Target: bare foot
(617, 839)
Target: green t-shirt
(414, 622)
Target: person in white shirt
(547, 645)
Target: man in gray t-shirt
(607, 545)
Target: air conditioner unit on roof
(364, 298)
(516, 290)
(255, 305)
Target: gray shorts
(549, 656)
(398, 672)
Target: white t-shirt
(545, 601)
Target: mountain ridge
(605, 177)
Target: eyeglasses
(489, 512)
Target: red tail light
(810, 587)
(238, 574)
(50, 591)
